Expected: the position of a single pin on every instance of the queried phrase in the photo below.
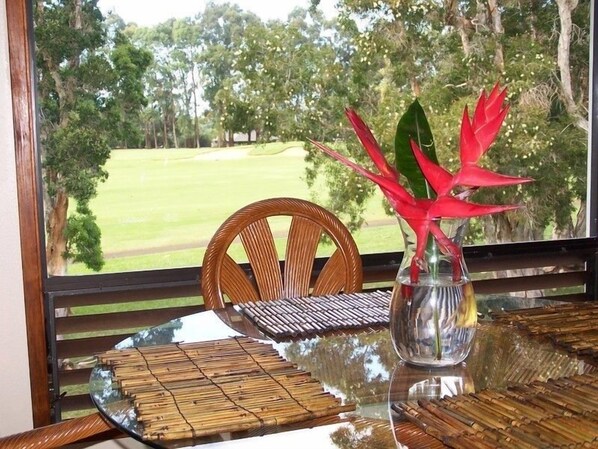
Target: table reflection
(359, 367)
(410, 383)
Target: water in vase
(433, 321)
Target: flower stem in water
(437, 342)
(434, 272)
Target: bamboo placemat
(412, 437)
(561, 413)
(196, 389)
(302, 317)
(573, 327)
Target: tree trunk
(566, 7)
(498, 31)
(415, 87)
(56, 227)
(148, 141)
(195, 117)
(507, 230)
(573, 228)
(165, 129)
(465, 43)
(579, 228)
(175, 139)
(77, 22)
(56, 206)
(125, 142)
(155, 134)
(454, 18)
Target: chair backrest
(221, 275)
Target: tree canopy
(445, 53)
(90, 92)
(186, 82)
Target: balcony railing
(105, 309)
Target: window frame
(39, 289)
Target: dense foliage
(189, 82)
(445, 53)
(90, 93)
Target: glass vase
(433, 315)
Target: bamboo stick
(192, 390)
(573, 327)
(300, 317)
(559, 413)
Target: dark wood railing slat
(77, 376)
(76, 402)
(121, 320)
(553, 265)
(535, 282)
(89, 346)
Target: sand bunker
(225, 154)
(294, 152)
(239, 153)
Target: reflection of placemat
(296, 317)
(412, 437)
(196, 389)
(571, 326)
(560, 413)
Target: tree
(222, 35)
(187, 43)
(445, 53)
(129, 64)
(294, 76)
(78, 90)
(281, 79)
(171, 81)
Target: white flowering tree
(445, 52)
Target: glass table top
(359, 367)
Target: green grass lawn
(159, 208)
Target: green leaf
(414, 125)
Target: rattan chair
(269, 278)
(57, 435)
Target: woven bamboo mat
(302, 317)
(573, 327)
(190, 390)
(413, 437)
(561, 413)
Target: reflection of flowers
(445, 193)
(363, 434)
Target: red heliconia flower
(387, 183)
(370, 144)
(488, 117)
(477, 134)
(476, 137)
